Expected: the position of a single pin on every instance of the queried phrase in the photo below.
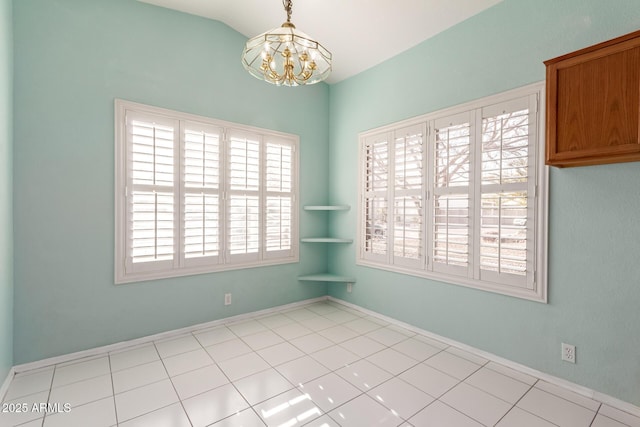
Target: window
(196, 195)
(459, 196)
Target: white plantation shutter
(408, 248)
(507, 191)
(151, 210)
(279, 173)
(451, 210)
(201, 194)
(195, 195)
(462, 202)
(375, 197)
(243, 212)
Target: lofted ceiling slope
(359, 33)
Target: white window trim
(222, 262)
(539, 292)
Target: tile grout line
(331, 371)
(233, 382)
(515, 404)
(406, 420)
(528, 412)
(53, 376)
(491, 394)
(113, 390)
(507, 375)
(456, 409)
(595, 415)
(360, 358)
(172, 384)
(568, 400)
(609, 418)
(240, 393)
(145, 385)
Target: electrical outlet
(227, 299)
(349, 287)
(569, 353)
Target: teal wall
(6, 189)
(594, 237)
(72, 58)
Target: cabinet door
(593, 106)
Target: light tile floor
(320, 365)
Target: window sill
(537, 295)
(182, 272)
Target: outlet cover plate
(569, 353)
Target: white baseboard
(163, 335)
(5, 385)
(568, 385)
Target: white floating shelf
(326, 277)
(328, 208)
(325, 240)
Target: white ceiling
(359, 33)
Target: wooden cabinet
(593, 104)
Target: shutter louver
(451, 195)
(278, 227)
(279, 200)
(279, 168)
(201, 174)
(201, 224)
(151, 226)
(243, 219)
(376, 180)
(408, 193)
(451, 230)
(244, 225)
(505, 193)
(244, 164)
(407, 232)
(151, 202)
(152, 156)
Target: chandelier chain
(288, 7)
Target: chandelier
(286, 56)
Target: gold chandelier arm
(287, 76)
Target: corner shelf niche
(326, 276)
